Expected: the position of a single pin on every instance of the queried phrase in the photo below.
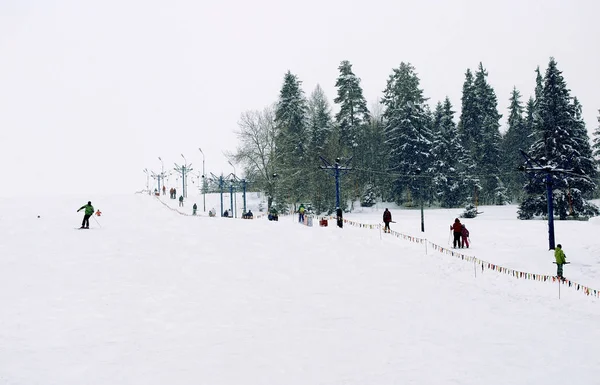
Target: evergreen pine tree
(487, 148)
(451, 182)
(353, 114)
(517, 137)
(319, 133)
(561, 142)
(468, 123)
(407, 132)
(352, 120)
(596, 142)
(290, 118)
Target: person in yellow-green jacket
(89, 211)
(561, 259)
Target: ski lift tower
(336, 171)
(184, 169)
(549, 173)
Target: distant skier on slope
(89, 211)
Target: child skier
(465, 236)
(561, 259)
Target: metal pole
(231, 196)
(244, 192)
(203, 180)
(422, 216)
(162, 173)
(337, 185)
(183, 180)
(221, 188)
(550, 211)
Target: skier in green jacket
(561, 259)
(89, 211)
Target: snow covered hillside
(153, 297)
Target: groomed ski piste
(149, 296)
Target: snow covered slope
(153, 297)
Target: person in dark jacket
(89, 211)
(194, 208)
(340, 217)
(456, 228)
(387, 218)
(181, 201)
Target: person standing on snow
(465, 236)
(181, 201)
(194, 208)
(456, 228)
(301, 211)
(340, 217)
(387, 218)
(89, 211)
(561, 259)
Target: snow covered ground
(153, 297)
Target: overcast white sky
(93, 92)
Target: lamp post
(147, 180)
(162, 173)
(420, 183)
(235, 196)
(203, 181)
(184, 170)
(184, 176)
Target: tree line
(404, 151)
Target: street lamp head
(337, 160)
(159, 159)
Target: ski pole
(449, 236)
(97, 221)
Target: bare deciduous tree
(256, 149)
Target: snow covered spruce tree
(480, 133)
(352, 122)
(321, 185)
(408, 134)
(518, 136)
(596, 148)
(561, 141)
(596, 141)
(452, 184)
(290, 120)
